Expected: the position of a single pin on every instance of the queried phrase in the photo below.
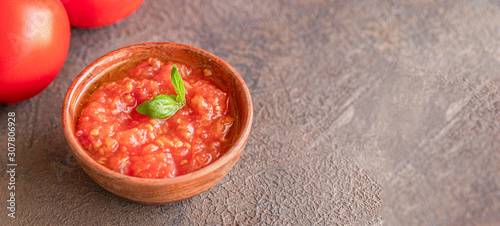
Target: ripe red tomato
(34, 42)
(98, 13)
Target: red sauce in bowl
(125, 141)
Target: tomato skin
(34, 43)
(99, 13)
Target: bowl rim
(77, 149)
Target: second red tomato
(98, 13)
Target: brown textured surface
(366, 113)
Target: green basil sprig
(163, 106)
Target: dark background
(365, 113)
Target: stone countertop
(366, 113)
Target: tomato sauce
(125, 141)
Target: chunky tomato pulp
(125, 141)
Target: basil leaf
(178, 85)
(161, 106)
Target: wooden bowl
(168, 190)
